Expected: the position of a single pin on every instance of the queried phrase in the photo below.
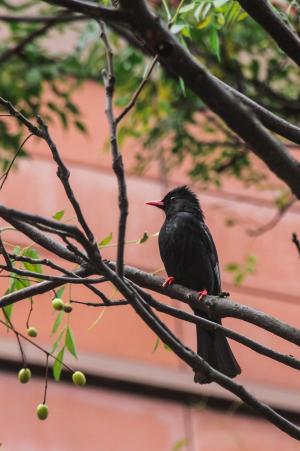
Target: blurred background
(139, 395)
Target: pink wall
(97, 419)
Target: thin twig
(118, 167)
(296, 241)
(10, 325)
(46, 378)
(99, 304)
(19, 334)
(29, 313)
(64, 279)
(274, 221)
(64, 174)
(135, 96)
(5, 175)
(7, 54)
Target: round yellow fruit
(57, 304)
(42, 411)
(32, 332)
(24, 375)
(78, 378)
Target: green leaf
(70, 342)
(176, 28)
(57, 322)
(143, 239)
(219, 3)
(232, 267)
(106, 240)
(17, 250)
(58, 215)
(80, 125)
(60, 292)
(214, 42)
(57, 341)
(157, 342)
(57, 366)
(33, 267)
(187, 8)
(7, 312)
(180, 444)
(182, 86)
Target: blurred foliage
(241, 271)
(166, 122)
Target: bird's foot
(202, 294)
(169, 281)
(224, 294)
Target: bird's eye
(172, 198)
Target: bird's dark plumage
(189, 254)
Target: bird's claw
(202, 294)
(169, 281)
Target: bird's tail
(214, 348)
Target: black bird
(190, 258)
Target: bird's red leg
(169, 281)
(202, 294)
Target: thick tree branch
(57, 18)
(263, 13)
(210, 325)
(223, 307)
(35, 290)
(90, 9)
(270, 120)
(197, 362)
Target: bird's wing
(212, 253)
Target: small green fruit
(78, 378)
(57, 304)
(68, 308)
(24, 375)
(42, 411)
(32, 332)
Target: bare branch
(197, 362)
(270, 120)
(64, 174)
(135, 96)
(221, 306)
(118, 167)
(17, 50)
(91, 9)
(62, 279)
(210, 325)
(34, 290)
(57, 18)
(5, 175)
(274, 221)
(36, 346)
(296, 241)
(99, 304)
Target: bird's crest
(185, 193)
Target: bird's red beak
(156, 203)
